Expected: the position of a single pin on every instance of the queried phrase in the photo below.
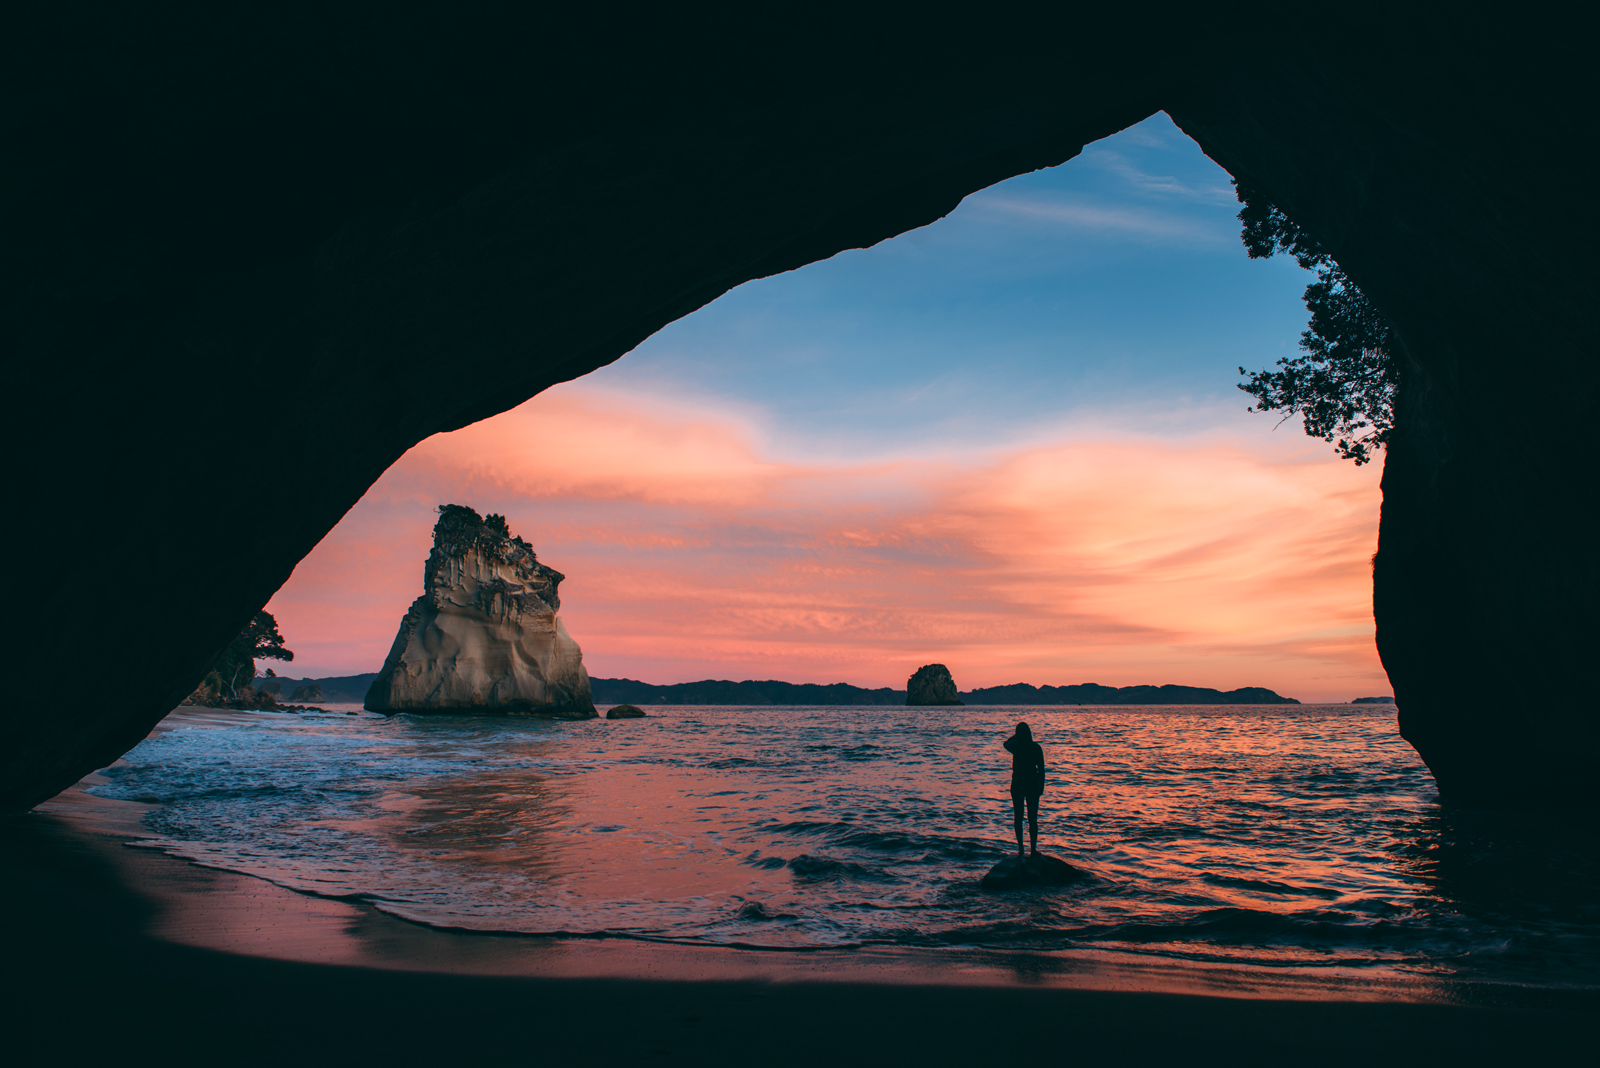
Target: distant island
(723, 692)
(932, 684)
(1089, 693)
(352, 689)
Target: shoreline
(210, 908)
(215, 908)
(112, 938)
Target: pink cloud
(692, 553)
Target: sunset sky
(1009, 442)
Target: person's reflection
(1027, 782)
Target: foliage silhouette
(259, 639)
(1344, 385)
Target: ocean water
(1307, 838)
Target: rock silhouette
(1020, 873)
(932, 685)
(626, 712)
(484, 635)
(316, 226)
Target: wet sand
(115, 947)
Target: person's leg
(1016, 818)
(1033, 824)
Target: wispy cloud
(1138, 223)
(691, 553)
(1163, 184)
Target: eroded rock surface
(932, 685)
(484, 636)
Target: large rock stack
(932, 685)
(484, 636)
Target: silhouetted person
(1027, 782)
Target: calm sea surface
(1303, 837)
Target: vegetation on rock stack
(460, 530)
(1345, 383)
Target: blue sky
(1010, 442)
(1112, 291)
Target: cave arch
(387, 225)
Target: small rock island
(484, 636)
(932, 685)
(626, 712)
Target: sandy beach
(115, 945)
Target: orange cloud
(692, 553)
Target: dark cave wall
(1451, 191)
(388, 225)
(381, 238)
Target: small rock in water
(1016, 873)
(626, 712)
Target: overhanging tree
(260, 639)
(1344, 385)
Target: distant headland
(1089, 693)
(352, 689)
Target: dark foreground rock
(225, 705)
(932, 685)
(484, 636)
(248, 699)
(1019, 873)
(626, 712)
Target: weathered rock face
(378, 237)
(932, 685)
(484, 635)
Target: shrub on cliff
(1345, 383)
(260, 639)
